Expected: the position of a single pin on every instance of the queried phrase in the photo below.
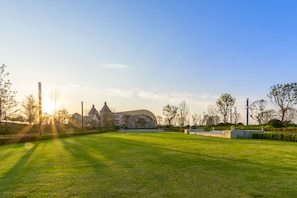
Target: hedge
(22, 138)
(290, 137)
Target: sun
(48, 106)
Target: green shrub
(276, 123)
(290, 137)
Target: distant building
(127, 119)
(94, 117)
(135, 119)
(106, 117)
(76, 116)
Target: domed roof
(139, 112)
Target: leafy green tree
(225, 104)
(211, 120)
(170, 113)
(284, 97)
(276, 123)
(7, 101)
(30, 109)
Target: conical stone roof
(105, 109)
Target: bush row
(291, 137)
(22, 138)
(287, 129)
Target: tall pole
(0, 111)
(247, 111)
(82, 116)
(40, 105)
(230, 115)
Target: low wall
(191, 131)
(244, 133)
(226, 133)
(141, 130)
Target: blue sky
(147, 54)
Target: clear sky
(145, 54)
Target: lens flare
(29, 145)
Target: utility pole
(40, 107)
(247, 111)
(82, 116)
(0, 111)
(230, 115)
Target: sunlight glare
(48, 106)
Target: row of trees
(282, 96)
(180, 114)
(174, 113)
(284, 99)
(28, 110)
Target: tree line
(282, 96)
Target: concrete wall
(189, 131)
(243, 133)
(141, 130)
(225, 134)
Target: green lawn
(149, 165)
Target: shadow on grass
(14, 171)
(218, 161)
(87, 155)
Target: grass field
(149, 165)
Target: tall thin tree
(30, 109)
(7, 101)
(225, 103)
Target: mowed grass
(149, 165)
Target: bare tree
(225, 103)
(236, 116)
(184, 111)
(199, 120)
(212, 117)
(211, 110)
(257, 109)
(55, 96)
(159, 120)
(284, 97)
(291, 115)
(195, 119)
(211, 120)
(268, 115)
(170, 113)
